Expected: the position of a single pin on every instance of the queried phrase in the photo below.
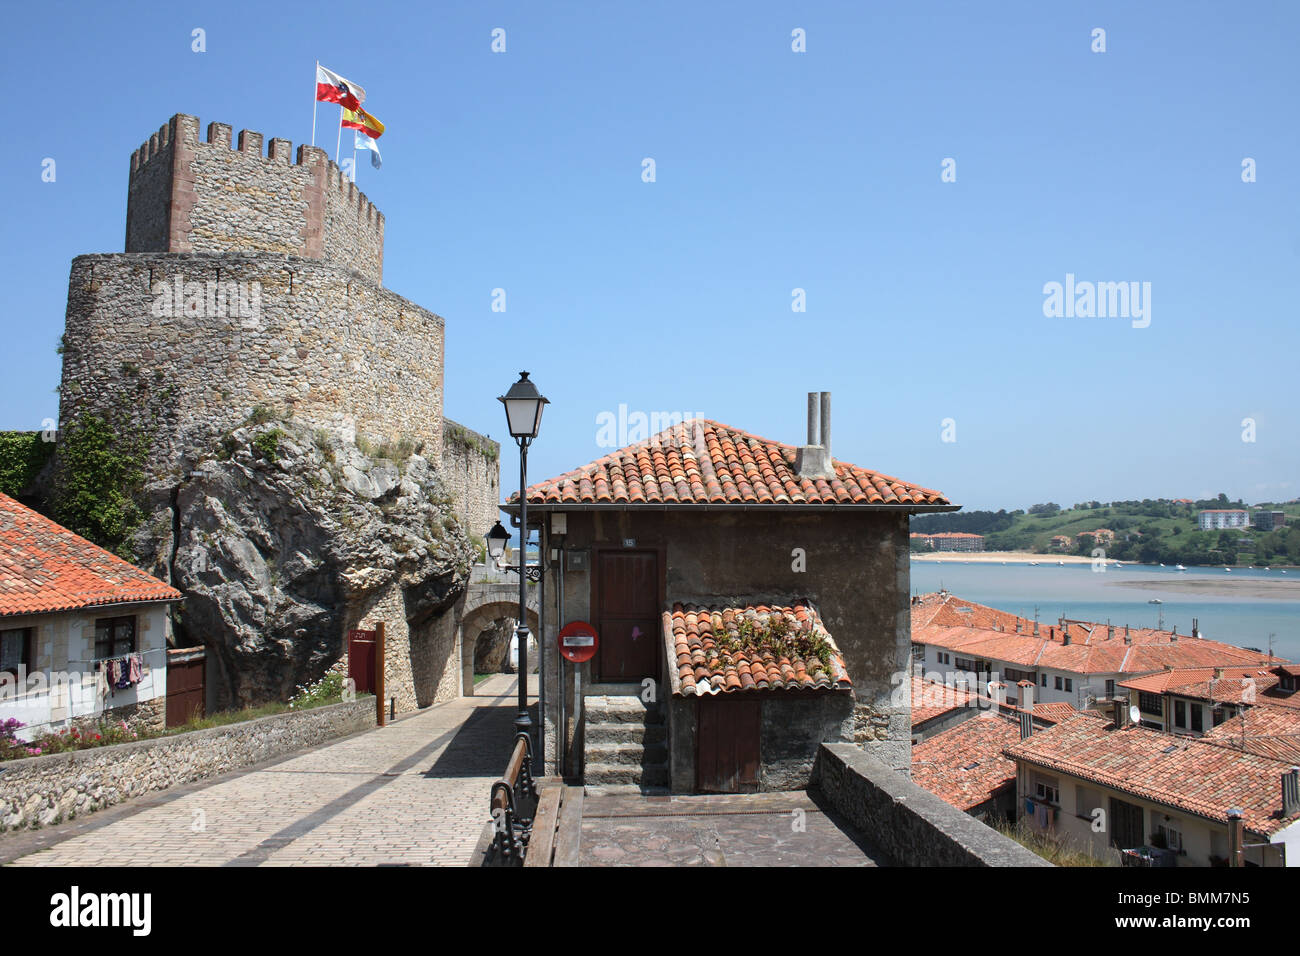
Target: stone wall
(471, 470)
(187, 194)
(299, 336)
(912, 825)
(40, 791)
(421, 657)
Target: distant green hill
(1152, 531)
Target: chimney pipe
(1065, 634)
(1291, 792)
(1235, 836)
(1027, 697)
(1119, 713)
(1026, 726)
(826, 423)
(813, 460)
(1035, 628)
(1128, 638)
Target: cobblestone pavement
(412, 793)
(757, 829)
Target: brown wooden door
(727, 745)
(185, 691)
(361, 661)
(627, 615)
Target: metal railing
(512, 827)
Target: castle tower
(248, 308)
(249, 280)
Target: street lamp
(524, 405)
(496, 542)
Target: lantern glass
(524, 406)
(496, 541)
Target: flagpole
(314, 101)
(339, 142)
(354, 156)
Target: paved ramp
(761, 829)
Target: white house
(1104, 785)
(82, 632)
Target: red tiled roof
(931, 699)
(1054, 712)
(1265, 729)
(964, 764)
(983, 632)
(45, 567)
(704, 462)
(703, 667)
(1186, 773)
(1234, 685)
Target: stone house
(750, 600)
(67, 608)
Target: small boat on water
(1155, 601)
(1181, 568)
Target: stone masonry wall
(40, 791)
(188, 194)
(471, 471)
(328, 345)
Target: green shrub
(22, 456)
(101, 470)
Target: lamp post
(524, 405)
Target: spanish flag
(363, 122)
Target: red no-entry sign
(578, 641)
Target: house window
(1058, 681)
(1086, 801)
(1220, 715)
(1180, 714)
(1069, 683)
(16, 649)
(1016, 676)
(1110, 688)
(918, 651)
(1048, 791)
(1150, 703)
(1169, 835)
(1198, 721)
(966, 665)
(1044, 680)
(114, 637)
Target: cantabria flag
(362, 141)
(332, 88)
(363, 122)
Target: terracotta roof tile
(973, 630)
(44, 567)
(705, 462)
(965, 764)
(1186, 773)
(702, 667)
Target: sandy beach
(999, 557)
(1267, 589)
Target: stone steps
(626, 744)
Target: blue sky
(775, 170)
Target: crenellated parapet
(193, 194)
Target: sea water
(1078, 592)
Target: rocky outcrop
(282, 537)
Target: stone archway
(476, 623)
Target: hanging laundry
(136, 669)
(123, 674)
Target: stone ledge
(913, 826)
(52, 788)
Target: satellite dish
(1134, 714)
